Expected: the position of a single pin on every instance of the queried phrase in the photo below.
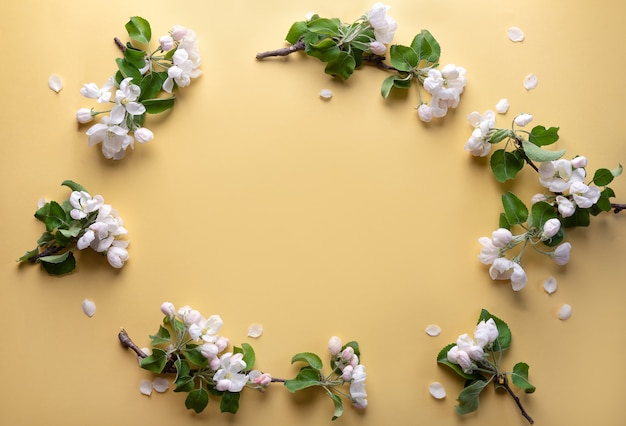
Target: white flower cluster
(492, 253)
(566, 178)
(105, 233)
(348, 362)
(478, 143)
(446, 87)
(229, 368)
(384, 27)
(113, 131)
(467, 350)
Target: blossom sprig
(79, 222)
(569, 198)
(189, 346)
(344, 47)
(477, 360)
(137, 87)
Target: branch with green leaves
(143, 84)
(189, 346)
(79, 222)
(344, 47)
(478, 360)
(569, 198)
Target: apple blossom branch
(502, 380)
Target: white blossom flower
(579, 162)
(206, 328)
(584, 196)
(260, 379)
(125, 98)
(114, 138)
(501, 237)
(565, 206)
(557, 175)
(209, 350)
(358, 394)
(461, 358)
(561, 253)
(486, 332)
(346, 373)
(466, 344)
(489, 252)
(181, 72)
(523, 119)
(178, 32)
(228, 376)
(478, 143)
(101, 94)
(384, 26)
(190, 44)
(550, 228)
(518, 277)
(505, 269)
(334, 345)
(84, 204)
(117, 254)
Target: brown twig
(119, 44)
(129, 344)
(49, 251)
(296, 47)
(502, 380)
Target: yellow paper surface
(263, 203)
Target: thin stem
(129, 344)
(618, 207)
(518, 142)
(377, 61)
(502, 380)
(48, 251)
(119, 44)
(297, 46)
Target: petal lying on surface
(55, 83)
(433, 330)
(502, 106)
(255, 330)
(145, 387)
(530, 82)
(565, 312)
(437, 390)
(326, 94)
(89, 307)
(549, 285)
(515, 34)
(160, 384)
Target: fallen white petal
(145, 387)
(160, 384)
(55, 83)
(255, 330)
(515, 34)
(530, 82)
(433, 330)
(437, 390)
(326, 94)
(549, 285)
(565, 312)
(89, 307)
(502, 106)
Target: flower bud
(222, 343)
(354, 361)
(378, 48)
(561, 253)
(263, 380)
(334, 345)
(565, 206)
(346, 374)
(168, 309)
(475, 352)
(143, 135)
(347, 353)
(501, 237)
(215, 363)
(580, 161)
(209, 350)
(551, 228)
(84, 115)
(166, 42)
(178, 32)
(425, 113)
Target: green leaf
(326, 50)
(128, 70)
(151, 85)
(394, 81)
(338, 405)
(602, 177)
(155, 106)
(310, 358)
(184, 384)
(162, 336)
(541, 212)
(139, 29)
(60, 264)
(579, 218)
(503, 222)
(230, 402)
(604, 203)
(296, 31)
(73, 230)
(52, 215)
(342, 66)
(28, 255)
(249, 356)
(541, 136)
(134, 56)
(505, 165)
(194, 356)
(355, 346)
(515, 210)
(499, 135)
(155, 362)
(504, 332)
(520, 377)
(73, 185)
(197, 400)
(403, 58)
(535, 153)
(306, 378)
(442, 358)
(45, 238)
(324, 26)
(468, 398)
(426, 47)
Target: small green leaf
(310, 358)
(579, 218)
(296, 31)
(73, 186)
(468, 398)
(602, 177)
(442, 358)
(194, 356)
(155, 362)
(249, 356)
(306, 378)
(535, 153)
(394, 81)
(504, 332)
(162, 336)
(52, 214)
(134, 56)
(499, 135)
(184, 384)
(324, 26)
(403, 58)
(505, 165)
(342, 66)
(73, 231)
(197, 400)
(520, 377)
(57, 267)
(45, 238)
(503, 222)
(426, 47)
(541, 136)
(326, 50)
(230, 402)
(28, 255)
(139, 29)
(541, 212)
(151, 85)
(128, 70)
(155, 106)
(515, 210)
(338, 405)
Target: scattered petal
(530, 82)
(326, 94)
(145, 387)
(502, 106)
(437, 390)
(515, 34)
(161, 384)
(255, 330)
(549, 285)
(89, 307)
(565, 312)
(433, 330)
(55, 83)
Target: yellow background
(262, 203)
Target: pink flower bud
(168, 309)
(166, 42)
(425, 113)
(178, 32)
(378, 48)
(347, 353)
(580, 161)
(347, 373)
(551, 228)
(334, 345)
(263, 380)
(215, 363)
(222, 343)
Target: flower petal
(255, 330)
(55, 83)
(161, 384)
(565, 312)
(502, 106)
(145, 387)
(89, 307)
(326, 94)
(437, 390)
(549, 285)
(433, 330)
(530, 82)
(515, 34)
